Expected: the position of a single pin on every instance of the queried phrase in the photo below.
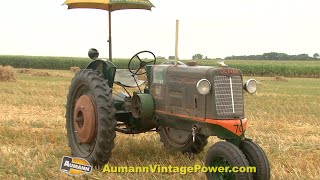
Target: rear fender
(105, 67)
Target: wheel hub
(136, 107)
(85, 120)
(222, 162)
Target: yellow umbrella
(109, 5)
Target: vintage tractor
(184, 103)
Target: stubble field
(283, 118)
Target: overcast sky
(214, 28)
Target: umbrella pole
(177, 40)
(110, 44)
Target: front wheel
(256, 158)
(226, 155)
(90, 117)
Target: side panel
(158, 86)
(105, 67)
(182, 96)
(174, 90)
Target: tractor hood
(174, 89)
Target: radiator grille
(228, 95)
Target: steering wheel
(142, 63)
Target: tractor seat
(125, 78)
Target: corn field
(309, 69)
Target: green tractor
(183, 103)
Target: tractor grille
(228, 96)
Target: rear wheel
(90, 117)
(225, 154)
(256, 158)
(182, 140)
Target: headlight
(203, 86)
(251, 86)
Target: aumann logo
(75, 166)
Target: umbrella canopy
(109, 5)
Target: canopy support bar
(110, 47)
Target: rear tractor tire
(90, 117)
(182, 140)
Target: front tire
(90, 117)
(256, 158)
(225, 154)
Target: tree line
(275, 56)
(264, 56)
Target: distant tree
(274, 56)
(316, 55)
(197, 57)
(302, 57)
(161, 57)
(271, 56)
(283, 56)
(171, 57)
(230, 57)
